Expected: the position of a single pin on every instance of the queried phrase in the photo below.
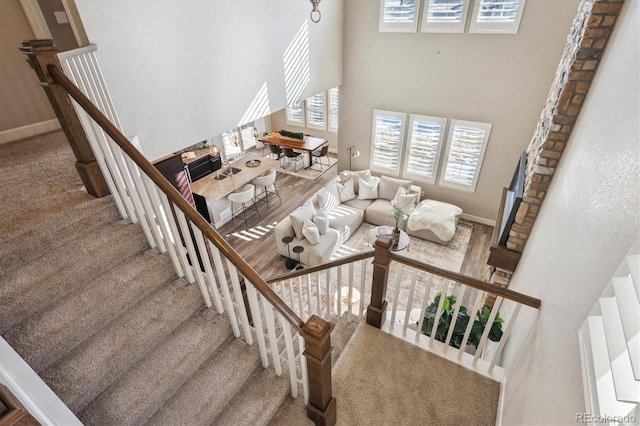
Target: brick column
(585, 44)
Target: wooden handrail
(463, 279)
(342, 261)
(243, 267)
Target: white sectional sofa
(352, 198)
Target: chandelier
(315, 18)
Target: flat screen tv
(513, 199)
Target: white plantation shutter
(294, 114)
(333, 105)
(444, 16)
(399, 15)
(316, 112)
(424, 146)
(465, 149)
(497, 16)
(386, 143)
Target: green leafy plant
(294, 135)
(398, 214)
(448, 309)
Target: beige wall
(498, 79)
(587, 224)
(22, 100)
(61, 33)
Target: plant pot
(395, 237)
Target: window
(399, 15)
(444, 16)
(465, 149)
(386, 143)
(247, 139)
(497, 16)
(316, 112)
(424, 146)
(333, 105)
(231, 149)
(294, 114)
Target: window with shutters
(399, 15)
(496, 16)
(295, 114)
(316, 112)
(386, 141)
(424, 145)
(333, 107)
(466, 143)
(444, 16)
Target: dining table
(308, 143)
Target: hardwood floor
(257, 244)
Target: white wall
(588, 222)
(183, 71)
(499, 79)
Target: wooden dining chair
(319, 154)
(293, 156)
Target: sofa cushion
(321, 220)
(328, 197)
(404, 200)
(345, 216)
(345, 190)
(379, 213)
(368, 190)
(359, 204)
(389, 187)
(348, 174)
(310, 232)
(297, 219)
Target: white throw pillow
(368, 190)
(389, 187)
(404, 200)
(310, 232)
(345, 190)
(298, 217)
(348, 174)
(321, 219)
(328, 197)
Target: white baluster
(396, 294)
(434, 327)
(309, 307)
(318, 298)
(235, 284)
(423, 306)
(256, 316)
(288, 341)
(176, 237)
(224, 286)
(363, 270)
(303, 370)
(472, 316)
(273, 339)
(407, 312)
(487, 329)
(339, 293)
(456, 310)
(505, 336)
(169, 239)
(300, 301)
(329, 302)
(350, 293)
(184, 227)
(204, 256)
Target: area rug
(302, 294)
(310, 173)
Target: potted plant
(448, 308)
(399, 216)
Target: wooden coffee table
(403, 242)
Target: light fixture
(254, 132)
(353, 152)
(214, 151)
(315, 4)
(235, 140)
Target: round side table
(297, 250)
(289, 263)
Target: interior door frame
(40, 28)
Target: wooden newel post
(381, 260)
(41, 54)
(317, 341)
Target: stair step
(142, 390)
(98, 362)
(634, 267)
(608, 404)
(33, 239)
(47, 336)
(223, 374)
(627, 389)
(34, 285)
(629, 308)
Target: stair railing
(172, 225)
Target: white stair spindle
(303, 370)
(423, 306)
(487, 329)
(193, 256)
(407, 312)
(396, 294)
(505, 337)
(256, 316)
(350, 293)
(162, 220)
(235, 285)
(328, 293)
(204, 256)
(434, 327)
(318, 301)
(454, 319)
(293, 375)
(363, 270)
(273, 339)
(467, 332)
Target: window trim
(443, 169)
(443, 27)
(330, 113)
(493, 27)
(300, 123)
(398, 27)
(394, 114)
(311, 125)
(436, 163)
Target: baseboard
(31, 390)
(28, 131)
(478, 219)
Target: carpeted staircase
(102, 318)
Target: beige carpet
(382, 380)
